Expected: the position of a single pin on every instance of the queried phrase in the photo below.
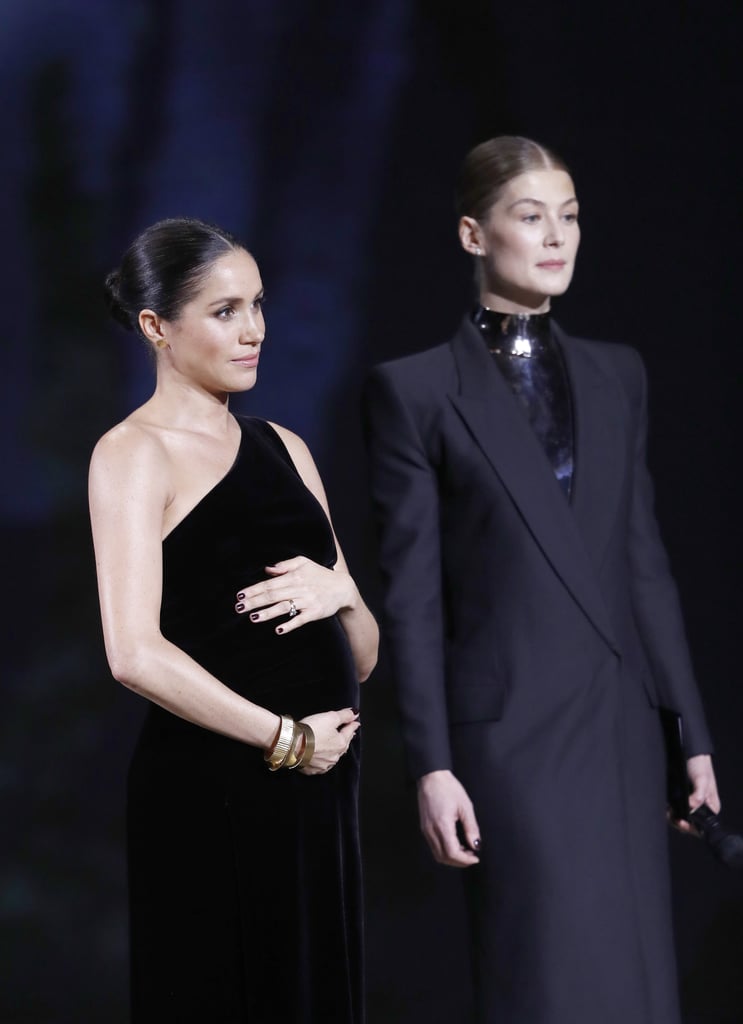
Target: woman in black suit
(532, 620)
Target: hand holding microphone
(696, 773)
(725, 845)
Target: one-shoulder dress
(245, 888)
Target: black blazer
(489, 571)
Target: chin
(238, 388)
(561, 284)
(558, 290)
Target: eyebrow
(234, 300)
(538, 202)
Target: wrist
(269, 734)
(293, 746)
(433, 778)
(350, 599)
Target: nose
(253, 329)
(555, 235)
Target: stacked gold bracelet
(276, 756)
(283, 754)
(309, 746)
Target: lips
(552, 264)
(248, 361)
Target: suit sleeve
(655, 597)
(406, 503)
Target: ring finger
(287, 607)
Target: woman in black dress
(228, 605)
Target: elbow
(367, 664)
(128, 666)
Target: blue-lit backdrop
(327, 135)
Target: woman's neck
(525, 303)
(184, 405)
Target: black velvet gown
(245, 889)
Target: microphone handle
(705, 819)
(726, 846)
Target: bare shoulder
(302, 459)
(129, 450)
(296, 447)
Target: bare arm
(317, 592)
(129, 491)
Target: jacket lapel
(600, 424)
(492, 415)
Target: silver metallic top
(527, 354)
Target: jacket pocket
(481, 701)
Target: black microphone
(726, 846)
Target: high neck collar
(513, 334)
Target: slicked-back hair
(163, 268)
(489, 167)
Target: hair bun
(164, 268)
(111, 294)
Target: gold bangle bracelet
(280, 750)
(309, 745)
(292, 760)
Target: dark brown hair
(490, 166)
(163, 268)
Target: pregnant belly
(263, 666)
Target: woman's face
(215, 342)
(529, 242)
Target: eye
(225, 313)
(570, 218)
(530, 218)
(258, 303)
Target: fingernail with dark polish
(240, 607)
(280, 629)
(240, 597)
(476, 844)
(254, 616)
(355, 710)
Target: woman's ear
(470, 235)
(152, 326)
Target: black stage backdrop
(327, 134)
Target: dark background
(327, 134)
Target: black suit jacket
(490, 573)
